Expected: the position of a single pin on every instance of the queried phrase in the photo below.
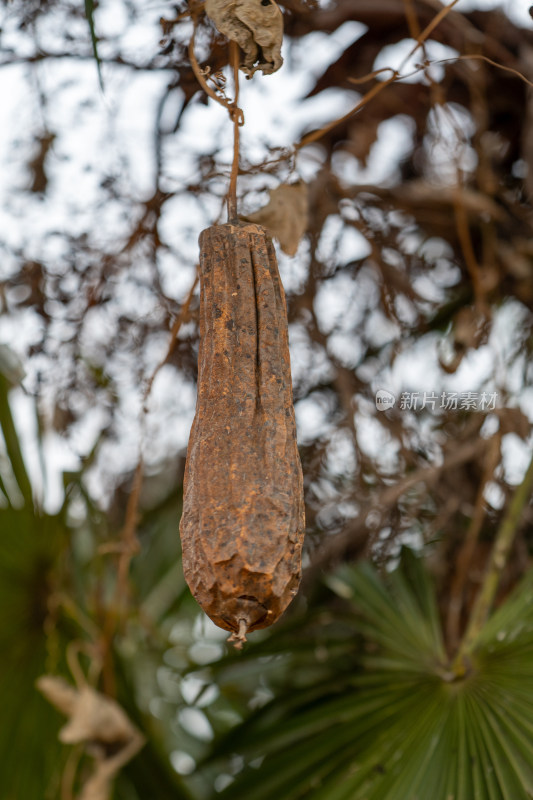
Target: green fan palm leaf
(403, 725)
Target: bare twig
(178, 322)
(479, 57)
(194, 8)
(318, 134)
(378, 88)
(356, 532)
(127, 545)
(119, 61)
(465, 239)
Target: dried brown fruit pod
(242, 526)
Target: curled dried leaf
(285, 216)
(59, 693)
(98, 722)
(256, 26)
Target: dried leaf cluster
(98, 723)
(256, 26)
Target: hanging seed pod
(242, 526)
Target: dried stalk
(467, 247)
(231, 107)
(236, 115)
(465, 555)
(498, 559)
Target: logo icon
(384, 400)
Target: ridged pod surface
(242, 525)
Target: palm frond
(30, 546)
(403, 726)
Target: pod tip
(238, 639)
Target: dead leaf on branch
(256, 26)
(98, 722)
(285, 216)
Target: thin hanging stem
(236, 115)
(233, 109)
(200, 74)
